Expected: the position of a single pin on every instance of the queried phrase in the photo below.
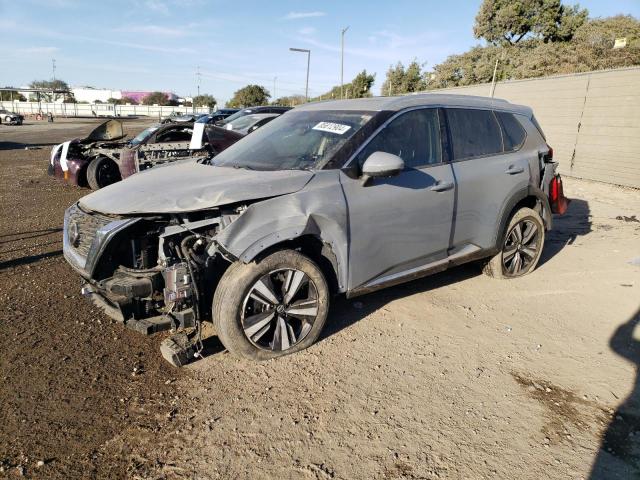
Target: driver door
(399, 226)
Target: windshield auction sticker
(332, 127)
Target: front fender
(318, 210)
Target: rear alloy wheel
(271, 308)
(521, 248)
(102, 171)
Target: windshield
(236, 115)
(245, 122)
(296, 140)
(143, 135)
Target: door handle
(441, 186)
(513, 170)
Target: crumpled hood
(185, 187)
(109, 130)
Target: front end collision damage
(159, 271)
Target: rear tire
(102, 171)
(521, 247)
(272, 307)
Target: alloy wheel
(521, 248)
(280, 309)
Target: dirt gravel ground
(454, 376)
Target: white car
(10, 118)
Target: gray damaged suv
(335, 197)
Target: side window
(413, 136)
(513, 134)
(178, 135)
(474, 133)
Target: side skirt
(466, 254)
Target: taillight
(559, 203)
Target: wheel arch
(325, 246)
(531, 197)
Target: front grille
(87, 226)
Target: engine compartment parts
(178, 349)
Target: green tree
(122, 101)
(591, 48)
(359, 87)
(249, 96)
(204, 100)
(156, 98)
(289, 101)
(8, 96)
(50, 85)
(601, 33)
(394, 80)
(400, 80)
(510, 21)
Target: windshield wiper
(307, 168)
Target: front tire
(272, 307)
(102, 171)
(521, 247)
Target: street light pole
(274, 88)
(308, 52)
(342, 63)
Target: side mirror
(381, 165)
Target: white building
(91, 95)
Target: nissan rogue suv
(338, 197)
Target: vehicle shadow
(28, 235)
(345, 312)
(29, 259)
(22, 146)
(619, 454)
(576, 222)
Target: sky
(162, 44)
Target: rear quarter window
(474, 133)
(513, 134)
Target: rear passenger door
(490, 166)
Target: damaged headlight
(102, 238)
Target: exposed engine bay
(152, 273)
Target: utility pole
(198, 76)
(274, 88)
(495, 71)
(344, 30)
(53, 64)
(308, 52)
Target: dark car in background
(221, 137)
(170, 143)
(182, 117)
(217, 116)
(340, 197)
(253, 110)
